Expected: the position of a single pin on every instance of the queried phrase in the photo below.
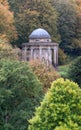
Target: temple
(40, 47)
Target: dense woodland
(27, 85)
(62, 19)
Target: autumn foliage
(7, 51)
(7, 21)
(46, 74)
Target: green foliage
(60, 108)
(77, 40)
(66, 23)
(20, 92)
(63, 70)
(75, 71)
(61, 127)
(61, 57)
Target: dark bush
(61, 57)
(74, 72)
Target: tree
(20, 92)
(77, 40)
(45, 73)
(74, 72)
(66, 23)
(7, 21)
(32, 14)
(60, 108)
(78, 33)
(7, 51)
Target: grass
(63, 71)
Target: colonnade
(52, 53)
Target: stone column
(55, 56)
(49, 55)
(31, 53)
(40, 53)
(22, 56)
(24, 53)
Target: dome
(39, 33)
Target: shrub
(60, 108)
(75, 71)
(46, 74)
(20, 93)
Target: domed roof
(39, 33)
